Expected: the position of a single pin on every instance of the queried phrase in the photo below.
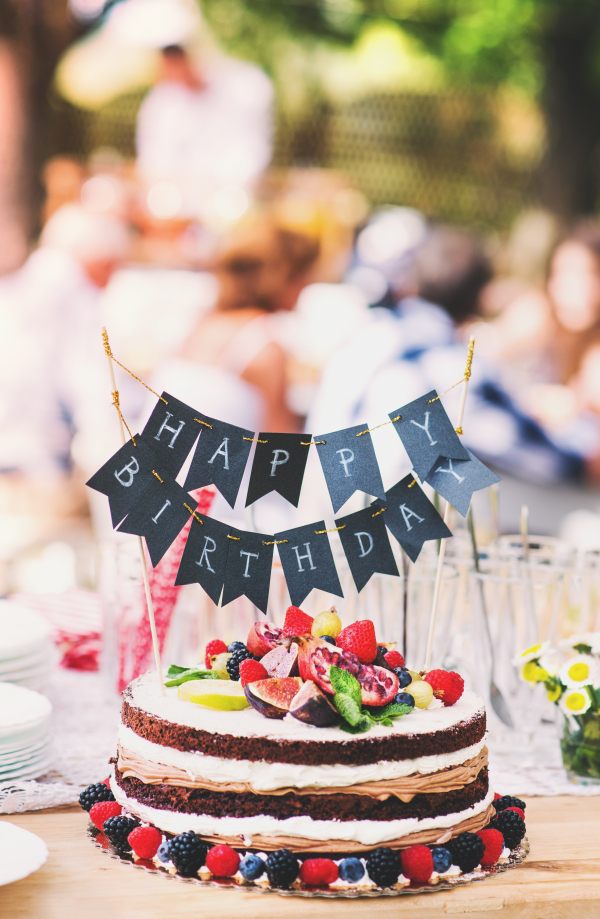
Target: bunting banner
(220, 457)
(248, 569)
(411, 517)
(204, 558)
(159, 516)
(456, 480)
(307, 561)
(125, 477)
(427, 433)
(349, 464)
(366, 545)
(171, 432)
(279, 464)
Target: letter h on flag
(307, 561)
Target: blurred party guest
(205, 129)
(420, 346)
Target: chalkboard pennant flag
(171, 431)
(220, 457)
(159, 516)
(349, 464)
(427, 433)
(248, 570)
(366, 545)
(456, 480)
(411, 517)
(307, 561)
(279, 464)
(125, 477)
(204, 558)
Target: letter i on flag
(279, 464)
(307, 561)
(171, 432)
(366, 545)
(125, 477)
(248, 571)
(159, 516)
(427, 433)
(204, 558)
(220, 457)
(349, 464)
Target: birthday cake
(309, 755)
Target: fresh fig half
(281, 662)
(262, 638)
(312, 706)
(378, 686)
(272, 698)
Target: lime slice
(225, 695)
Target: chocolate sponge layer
(355, 752)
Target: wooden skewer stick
(442, 555)
(149, 601)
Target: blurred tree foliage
(548, 48)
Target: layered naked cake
(239, 778)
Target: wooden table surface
(559, 880)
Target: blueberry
(442, 859)
(252, 867)
(351, 869)
(328, 638)
(404, 677)
(236, 646)
(405, 698)
(163, 852)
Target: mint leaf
(174, 670)
(344, 683)
(394, 710)
(349, 709)
(193, 674)
(360, 728)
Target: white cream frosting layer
(144, 693)
(266, 777)
(365, 832)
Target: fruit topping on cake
(447, 685)
(262, 638)
(359, 638)
(273, 697)
(212, 649)
(297, 622)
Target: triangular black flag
(248, 571)
(220, 457)
(349, 464)
(125, 477)
(159, 516)
(410, 516)
(171, 432)
(307, 561)
(204, 558)
(279, 464)
(456, 481)
(366, 545)
(427, 433)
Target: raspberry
(222, 861)
(494, 843)
(282, 866)
(234, 661)
(102, 810)
(417, 863)
(359, 638)
(318, 872)
(467, 851)
(511, 826)
(517, 810)
(94, 793)
(250, 671)
(117, 830)
(496, 797)
(446, 684)
(383, 866)
(394, 659)
(144, 841)
(297, 622)
(212, 649)
(501, 803)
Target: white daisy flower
(550, 662)
(581, 670)
(591, 639)
(531, 654)
(575, 702)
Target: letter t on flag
(307, 561)
(248, 571)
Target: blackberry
(233, 663)
(508, 801)
(384, 866)
(282, 868)
(236, 646)
(117, 829)
(511, 826)
(442, 859)
(466, 850)
(93, 794)
(188, 853)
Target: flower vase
(580, 747)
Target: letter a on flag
(220, 457)
(411, 517)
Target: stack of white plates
(27, 655)
(25, 733)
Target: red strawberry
(496, 796)
(446, 684)
(212, 649)
(394, 659)
(517, 810)
(106, 782)
(359, 638)
(494, 844)
(318, 871)
(251, 671)
(222, 861)
(144, 841)
(102, 811)
(417, 863)
(296, 622)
